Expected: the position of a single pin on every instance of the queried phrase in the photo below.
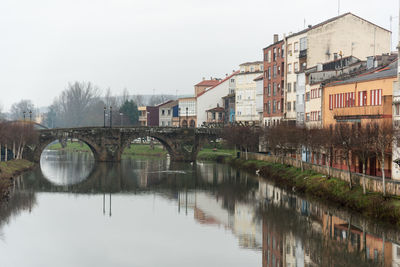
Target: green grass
(75, 146)
(145, 150)
(215, 154)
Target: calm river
(153, 212)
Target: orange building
(363, 99)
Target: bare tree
(75, 103)
(22, 107)
(345, 143)
(383, 137)
(363, 149)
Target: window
(376, 97)
(279, 105)
(169, 112)
(269, 89)
(307, 116)
(283, 51)
(275, 71)
(362, 98)
(269, 107)
(294, 105)
(296, 67)
(269, 73)
(232, 80)
(289, 49)
(279, 70)
(274, 58)
(289, 68)
(319, 115)
(303, 43)
(294, 86)
(269, 56)
(289, 87)
(163, 112)
(308, 96)
(279, 52)
(274, 106)
(342, 100)
(274, 90)
(296, 47)
(289, 106)
(397, 111)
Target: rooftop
(224, 80)
(251, 63)
(208, 83)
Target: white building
(212, 97)
(166, 112)
(246, 91)
(187, 112)
(260, 97)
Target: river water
(71, 211)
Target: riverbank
(10, 169)
(318, 186)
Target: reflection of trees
(19, 201)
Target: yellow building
(362, 99)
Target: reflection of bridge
(107, 144)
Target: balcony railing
(303, 53)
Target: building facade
(213, 97)
(274, 82)
(187, 112)
(260, 98)
(166, 112)
(245, 92)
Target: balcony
(303, 53)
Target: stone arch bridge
(107, 144)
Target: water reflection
(65, 168)
(156, 212)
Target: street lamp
(179, 116)
(105, 117)
(187, 122)
(110, 116)
(30, 115)
(24, 114)
(121, 114)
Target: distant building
(187, 112)
(166, 112)
(245, 91)
(216, 115)
(148, 116)
(142, 116)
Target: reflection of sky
(144, 230)
(64, 168)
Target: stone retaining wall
(373, 183)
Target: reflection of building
(246, 227)
(272, 247)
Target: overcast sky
(146, 45)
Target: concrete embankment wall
(373, 183)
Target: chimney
(204, 78)
(226, 74)
(276, 38)
(310, 26)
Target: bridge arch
(166, 143)
(38, 150)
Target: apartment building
(260, 98)
(166, 113)
(344, 35)
(274, 81)
(246, 91)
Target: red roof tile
(208, 83)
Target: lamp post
(179, 116)
(30, 115)
(187, 122)
(110, 116)
(105, 117)
(24, 114)
(121, 114)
